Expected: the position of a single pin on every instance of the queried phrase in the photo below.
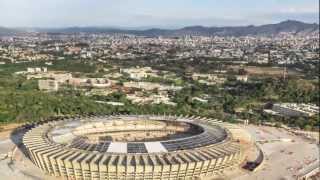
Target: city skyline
(146, 14)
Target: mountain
(263, 30)
(295, 27)
(8, 31)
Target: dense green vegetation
(20, 99)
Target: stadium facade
(134, 147)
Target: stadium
(134, 147)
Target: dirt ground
(5, 129)
(273, 71)
(286, 155)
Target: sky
(154, 13)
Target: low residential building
(208, 79)
(99, 82)
(59, 76)
(77, 82)
(37, 70)
(148, 86)
(48, 85)
(140, 73)
(243, 78)
(140, 98)
(295, 110)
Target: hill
(289, 26)
(8, 31)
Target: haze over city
(147, 14)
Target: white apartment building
(48, 85)
(37, 69)
(140, 73)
